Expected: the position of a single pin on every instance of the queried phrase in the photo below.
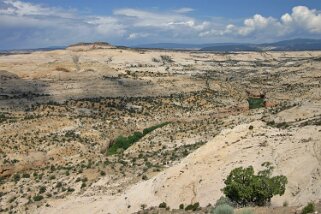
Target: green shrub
(83, 185)
(70, 189)
(144, 177)
(285, 204)
(122, 143)
(310, 208)
(152, 128)
(16, 177)
(282, 125)
(155, 59)
(223, 209)
(25, 175)
(162, 205)
(255, 102)
(37, 197)
(245, 188)
(223, 200)
(166, 59)
(192, 207)
(1, 180)
(42, 189)
(181, 206)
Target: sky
(46, 23)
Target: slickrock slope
(295, 152)
(61, 110)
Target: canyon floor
(61, 111)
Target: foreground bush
(310, 208)
(245, 188)
(223, 209)
(223, 200)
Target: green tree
(310, 208)
(244, 187)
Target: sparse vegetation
(75, 59)
(309, 208)
(192, 207)
(122, 143)
(223, 209)
(37, 197)
(162, 205)
(62, 132)
(63, 69)
(255, 102)
(166, 59)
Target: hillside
(198, 178)
(186, 115)
(286, 45)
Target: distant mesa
(286, 45)
(89, 46)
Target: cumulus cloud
(25, 24)
(302, 21)
(303, 17)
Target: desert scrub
(166, 59)
(223, 200)
(310, 208)
(62, 69)
(223, 209)
(122, 143)
(37, 197)
(162, 205)
(193, 207)
(2, 117)
(255, 102)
